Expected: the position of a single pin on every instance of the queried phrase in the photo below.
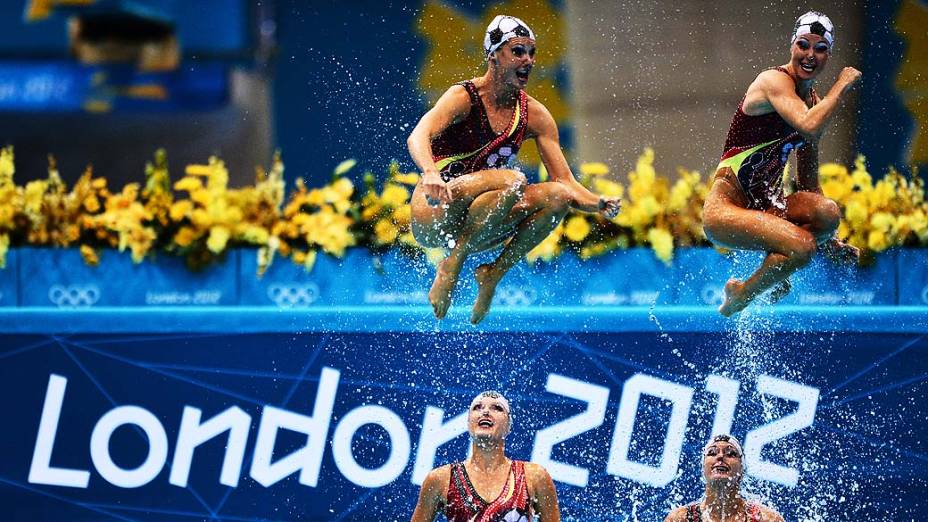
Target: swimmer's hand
(840, 252)
(849, 76)
(436, 190)
(609, 207)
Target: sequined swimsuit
(471, 144)
(757, 149)
(694, 512)
(466, 505)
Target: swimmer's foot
(735, 301)
(487, 279)
(780, 290)
(446, 277)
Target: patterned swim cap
(814, 22)
(502, 29)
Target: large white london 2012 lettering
(235, 424)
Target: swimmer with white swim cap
(746, 208)
(469, 198)
(488, 486)
(723, 469)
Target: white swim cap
(493, 395)
(502, 29)
(724, 438)
(814, 22)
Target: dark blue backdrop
(862, 458)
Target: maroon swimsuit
(757, 149)
(471, 144)
(466, 505)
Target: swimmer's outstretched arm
(430, 496)
(452, 106)
(779, 91)
(543, 493)
(544, 128)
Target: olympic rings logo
(712, 295)
(293, 296)
(515, 296)
(74, 296)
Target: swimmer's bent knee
(828, 216)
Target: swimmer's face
(809, 54)
(722, 461)
(488, 419)
(515, 59)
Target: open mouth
(721, 468)
(807, 66)
(485, 423)
(522, 74)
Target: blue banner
(9, 290)
(68, 87)
(326, 424)
(60, 278)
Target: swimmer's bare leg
(791, 242)
(820, 217)
(485, 212)
(543, 207)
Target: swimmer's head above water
(489, 415)
(722, 459)
(509, 45)
(810, 46)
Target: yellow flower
(329, 230)
(410, 178)
(883, 192)
(385, 232)
(91, 203)
(402, 216)
(394, 195)
(594, 169)
(882, 221)
(90, 255)
(662, 243)
(680, 195)
(860, 176)
(345, 166)
(830, 171)
(608, 188)
(4, 248)
(218, 238)
(180, 209)
(877, 241)
(253, 234)
(650, 206)
(577, 228)
(855, 212)
(7, 166)
(343, 188)
(190, 184)
(185, 236)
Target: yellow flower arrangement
(385, 218)
(200, 217)
(890, 212)
(653, 213)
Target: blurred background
(108, 81)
